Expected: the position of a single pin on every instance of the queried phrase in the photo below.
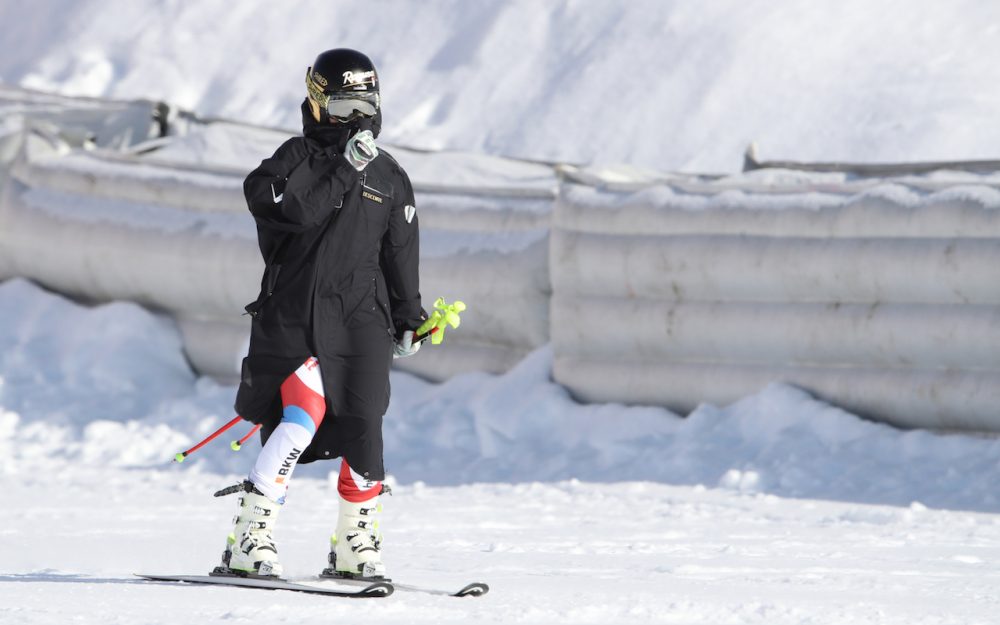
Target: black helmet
(342, 83)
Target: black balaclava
(336, 135)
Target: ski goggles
(343, 104)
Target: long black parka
(341, 280)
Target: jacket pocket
(376, 200)
(382, 191)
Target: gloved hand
(404, 346)
(361, 149)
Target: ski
(475, 589)
(370, 589)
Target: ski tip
(475, 589)
(154, 578)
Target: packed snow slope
(663, 84)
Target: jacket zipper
(388, 317)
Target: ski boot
(356, 547)
(250, 549)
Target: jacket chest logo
(373, 191)
(371, 196)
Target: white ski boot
(355, 548)
(250, 549)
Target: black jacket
(341, 251)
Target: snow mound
(104, 385)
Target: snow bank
(108, 385)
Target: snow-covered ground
(565, 552)
(778, 509)
(664, 84)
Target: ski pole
(184, 454)
(235, 445)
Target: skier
(337, 227)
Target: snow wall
(886, 303)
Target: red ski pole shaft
(235, 445)
(184, 454)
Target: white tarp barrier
(890, 210)
(886, 302)
(779, 334)
(754, 268)
(178, 238)
(880, 296)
